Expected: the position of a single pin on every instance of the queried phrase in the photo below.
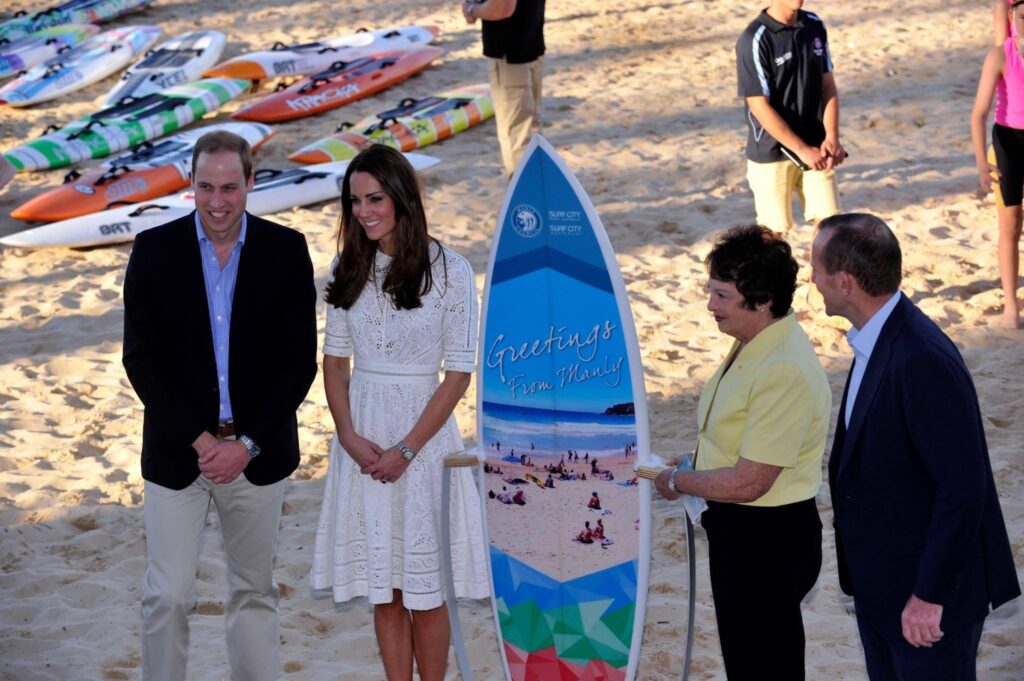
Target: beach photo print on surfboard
(562, 420)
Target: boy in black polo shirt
(792, 106)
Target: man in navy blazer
(921, 541)
(220, 345)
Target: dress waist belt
(387, 372)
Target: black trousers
(763, 562)
(953, 658)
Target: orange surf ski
(343, 83)
(151, 170)
(100, 189)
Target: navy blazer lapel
(838, 440)
(880, 356)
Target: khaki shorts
(774, 184)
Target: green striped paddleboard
(130, 122)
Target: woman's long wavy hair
(409, 276)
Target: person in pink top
(1002, 79)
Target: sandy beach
(640, 99)
(541, 532)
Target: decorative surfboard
(23, 53)
(309, 58)
(414, 124)
(561, 399)
(151, 170)
(274, 191)
(79, 67)
(179, 60)
(123, 126)
(71, 12)
(341, 84)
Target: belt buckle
(226, 429)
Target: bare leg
(1009, 262)
(393, 625)
(431, 633)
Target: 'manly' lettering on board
(503, 356)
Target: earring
(762, 308)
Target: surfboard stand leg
(451, 466)
(691, 559)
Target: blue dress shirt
(220, 291)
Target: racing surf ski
(302, 60)
(71, 12)
(342, 83)
(151, 170)
(414, 124)
(81, 66)
(23, 53)
(179, 60)
(124, 125)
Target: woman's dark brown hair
(759, 263)
(409, 276)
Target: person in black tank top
(513, 42)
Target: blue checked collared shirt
(220, 291)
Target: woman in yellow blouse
(762, 422)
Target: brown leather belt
(226, 429)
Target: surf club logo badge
(526, 221)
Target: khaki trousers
(774, 185)
(249, 517)
(516, 91)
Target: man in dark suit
(219, 344)
(920, 537)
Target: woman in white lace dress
(404, 308)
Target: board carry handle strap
(264, 173)
(149, 206)
(452, 462)
(127, 103)
(312, 176)
(53, 70)
(113, 173)
(84, 129)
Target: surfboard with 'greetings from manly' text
(562, 420)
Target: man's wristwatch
(672, 482)
(407, 453)
(250, 446)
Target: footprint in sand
(312, 625)
(85, 523)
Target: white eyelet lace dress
(375, 537)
